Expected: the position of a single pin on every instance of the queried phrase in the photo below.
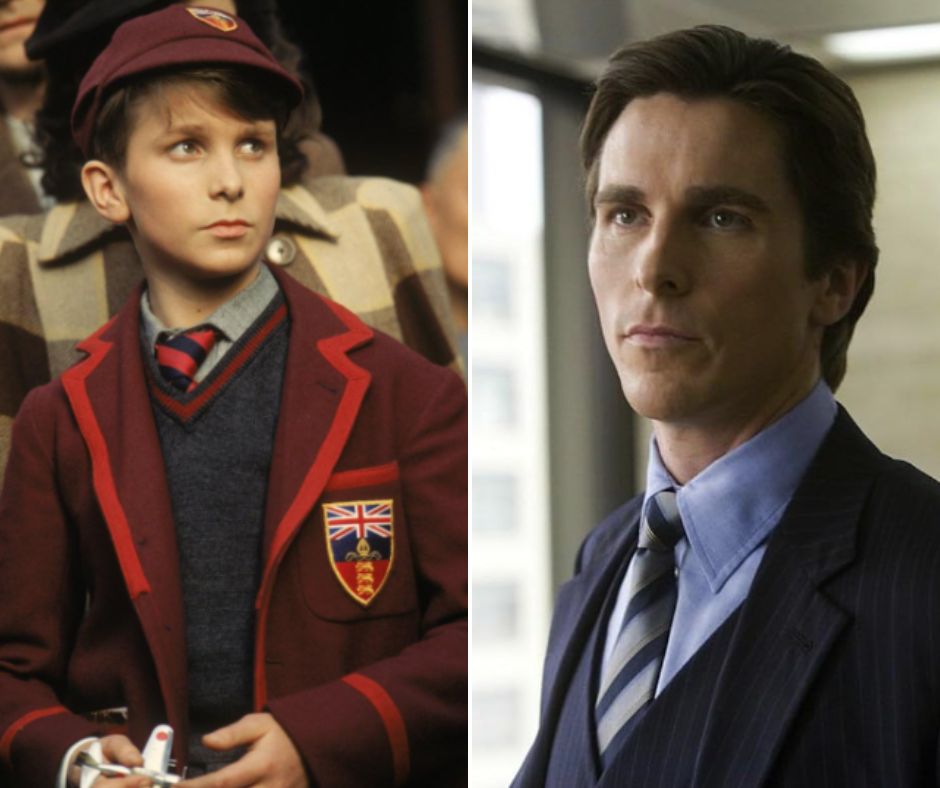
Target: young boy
(254, 529)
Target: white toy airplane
(156, 761)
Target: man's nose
(663, 259)
(226, 177)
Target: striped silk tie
(180, 355)
(629, 678)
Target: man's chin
(659, 400)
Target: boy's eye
(185, 148)
(254, 147)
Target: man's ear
(837, 290)
(105, 191)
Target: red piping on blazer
(363, 477)
(391, 718)
(73, 380)
(334, 350)
(6, 743)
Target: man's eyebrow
(619, 194)
(706, 196)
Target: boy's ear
(105, 191)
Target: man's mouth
(657, 335)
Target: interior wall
(892, 387)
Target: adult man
(21, 89)
(764, 614)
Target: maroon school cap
(173, 36)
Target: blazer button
(281, 250)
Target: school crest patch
(360, 537)
(217, 19)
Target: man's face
(697, 264)
(201, 185)
(17, 20)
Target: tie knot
(179, 355)
(662, 526)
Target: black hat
(63, 21)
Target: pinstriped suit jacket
(828, 674)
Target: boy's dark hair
(68, 61)
(827, 155)
(248, 93)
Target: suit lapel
(787, 625)
(321, 396)
(108, 395)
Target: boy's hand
(271, 760)
(116, 749)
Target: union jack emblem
(361, 547)
(360, 518)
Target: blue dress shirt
(728, 511)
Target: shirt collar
(72, 226)
(731, 506)
(231, 319)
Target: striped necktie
(179, 355)
(628, 682)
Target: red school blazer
(91, 612)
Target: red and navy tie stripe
(180, 355)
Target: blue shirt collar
(731, 506)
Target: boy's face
(200, 185)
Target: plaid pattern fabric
(363, 242)
(17, 194)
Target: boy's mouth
(229, 228)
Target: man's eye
(724, 219)
(625, 217)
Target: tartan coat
(363, 242)
(17, 194)
(92, 612)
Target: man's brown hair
(828, 158)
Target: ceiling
(583, 33)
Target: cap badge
(217, 19)
(361, 545)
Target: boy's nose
(227, 181)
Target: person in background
(445, 195)
(21, 91)
(363, 242)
